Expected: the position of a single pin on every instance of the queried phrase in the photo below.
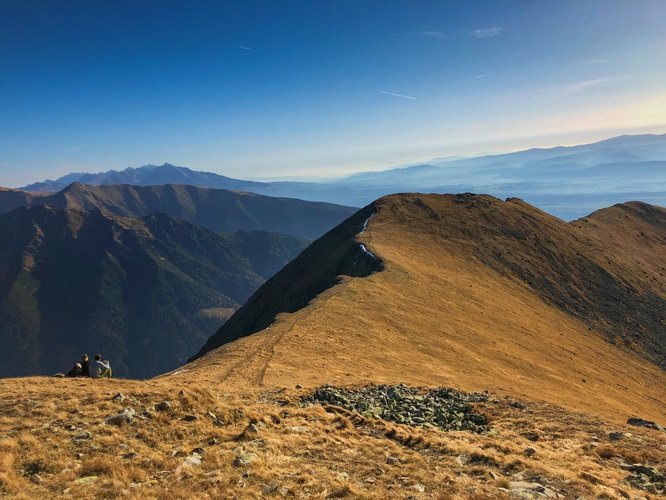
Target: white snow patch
(365, 224)
(365, 251)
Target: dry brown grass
(434, 317)
(312, 452)
(438, 316)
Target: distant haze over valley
(568, 182)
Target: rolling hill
(475, 292)
(145, 292)
(216, 209)
(561, 323)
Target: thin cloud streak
(430, 34)
(398, 95)
(579, 86)
(485, 32)
(242, 47)
(479, 76)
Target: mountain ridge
(146, 292)
(476, 292)
(582, 185)
(220, 210)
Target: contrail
(398, 95)
(241, 47)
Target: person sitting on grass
(85, 366)
(99, 368)
(75, 372)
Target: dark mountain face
(216, 209)
(146, 293)
(606, 270)
(317, 268)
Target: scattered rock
(83, 437)
(118, 397)
(217, 421)
(163, 406)
(126, 416)
(343, 476)
(249, 433)
(193, 460)
(36, 478)
(298, 386)
(393, 460)
(615, 436)
(530, 452)
(129, 456)
(245, 459)
(182, 393)
(645, 423)
(86, 480)
(493, 475)
(269, 488)
(190, 418)
(144, 415)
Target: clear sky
(274, 89)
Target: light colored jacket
(97, 367)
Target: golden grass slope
(54, 443)
(461, 303)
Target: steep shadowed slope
(215, 209)
(145, 292)
(474, 292)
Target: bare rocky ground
(62, 438)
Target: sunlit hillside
(477, 293)
(551, 325)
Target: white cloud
(479, 76)
(485, 32)
(242, 47)
(430, 34)
(398, 95)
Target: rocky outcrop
(443, 408)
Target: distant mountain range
(568, 182)
(216, 209)
(145, 292)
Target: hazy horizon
(264, 90)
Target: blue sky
(281, 89)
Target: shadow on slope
(315, 270)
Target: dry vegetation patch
(55, 441)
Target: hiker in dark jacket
(75, 372)
(85, 366)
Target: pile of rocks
(645, 478)
(443, 408)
